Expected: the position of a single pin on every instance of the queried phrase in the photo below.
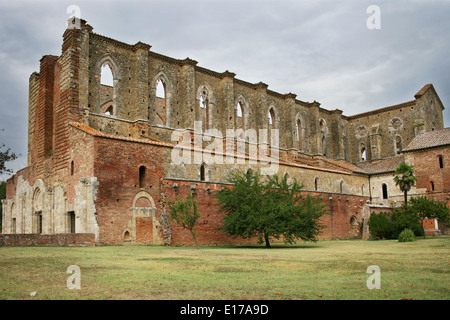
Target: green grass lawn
(320, 271)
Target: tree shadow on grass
(274, 246)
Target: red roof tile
(382, 165)
(429, 139)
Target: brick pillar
(68, 109)
(43, 126)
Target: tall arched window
(433, 126)
(362, 152)
(240, 121)
(384, 191)
(272, 119)
(432, 185)
(142, 170)
(13, 225)
(316, 184)
(205, 111)
(441, 162)
(202, 173)
(160, 89)
(108, 110)
(160, 102)
(106, 90)
(398, 144)
(323, 133)
(298, 132)
(272, 134)
(71, 222)
(108, 77)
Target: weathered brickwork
(48, 240)
(433, 174)
(101, 158)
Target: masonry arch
(273, 119)
(12, 221)
(241, 116)
(272, 125)
(162, 90)
(205, 106)
(398, 144)
(316, 184)
(362, 151)
(323, 137)
(105, 105)
(204, 172)
(341, 186)
(441, 161)
(433, 125)
(143, 200)
(299, 142)
(37, 205)
(143, 226)
(384, 191)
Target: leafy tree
(185, 213)
(405, 178)
(426, 208)
(2, 196)
(411, 215)
(381, 226)
(269, 209)
(6, 156)
(404, 218)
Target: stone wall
(137, 69)
(48, 240)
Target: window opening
(385, 191)
(142, 177)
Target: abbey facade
(104, 159)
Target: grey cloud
(319, 50)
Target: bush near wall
(390, 225)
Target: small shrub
(381, 226)
(406, 235)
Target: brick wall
(116, 167)
(48, 240)
(338, 223)
(427, 169)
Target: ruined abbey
(104, 159)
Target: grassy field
(306, 271)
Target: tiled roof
(152, 141)
(430, 139)
(98, 133)
(345, 165)
(382, 165)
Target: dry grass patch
(322, 270)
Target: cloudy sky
(320, 50)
